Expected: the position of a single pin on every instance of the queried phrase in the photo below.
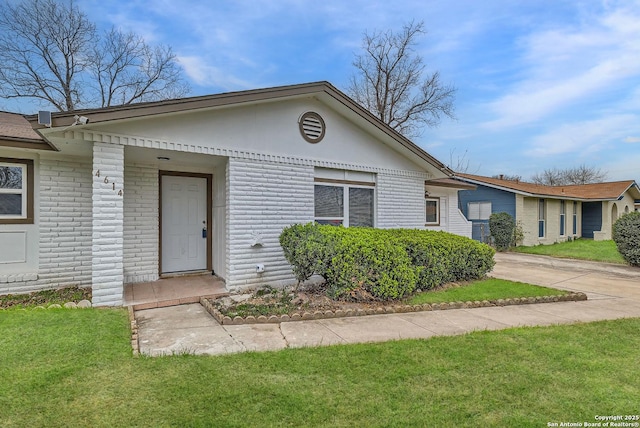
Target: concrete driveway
(613, 292)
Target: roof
(450, 182)
(16, 131)
(321, 90)
(596, 192)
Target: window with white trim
(563, 217)
(542, 214)
(432, 211)
(16, 191)
(478, 210)
(347, 204)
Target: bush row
(385, 263)
(626, 235)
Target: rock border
(339, 313)
(69, 305)
(133, 323)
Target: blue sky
(541, 83)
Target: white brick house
(206, 184)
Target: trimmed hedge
(626, 235)
(502, 226)
(385, 263)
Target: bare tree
(50, 51)
(582, 174)
(461, 164)
(128, 70)
(389, 82)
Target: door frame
(209, 202)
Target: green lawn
(486, 289)
(65, 367)
(584, 249)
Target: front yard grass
(583, 249)
(63, 367)
(486, 289)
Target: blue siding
(501, 201)
(591, 218)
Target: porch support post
(108, 220)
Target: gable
(272, 128)
(247, 128)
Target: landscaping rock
(84, 304)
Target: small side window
(16, 191)
(432, 211)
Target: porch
(173, 291)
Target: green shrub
(441, 257)
(366, 262)
(502, 227)
(626, 235)
(306, 249)
(387, 264)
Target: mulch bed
(315, 304)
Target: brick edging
(135, 344)
(339, 313)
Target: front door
(184, 223)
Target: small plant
(626, 235)
(502, 227)
(518, 234)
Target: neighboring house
(548, 214)
(205, 184)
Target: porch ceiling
(150, 156)
(144, 155)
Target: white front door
(184, 215)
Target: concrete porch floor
(173, 291)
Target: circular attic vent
(312, 127)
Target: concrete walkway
(613, 292)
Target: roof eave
(28, 143)
(65, 119)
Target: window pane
(541, 209)
(10, 204)
(431, 208)
(11, 177)
(329, 201)
(485, 210)
(473, 209)
(360, 207)
(330, 222)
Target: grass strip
(486, 289)
(581, 249)
(66, 367)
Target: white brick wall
(141, 223)
(108, 219)
(262, 199)
(64, 228)
(400, 201)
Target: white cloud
(204, 74)
(632, 140)
(582, 139)
(564, 66)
